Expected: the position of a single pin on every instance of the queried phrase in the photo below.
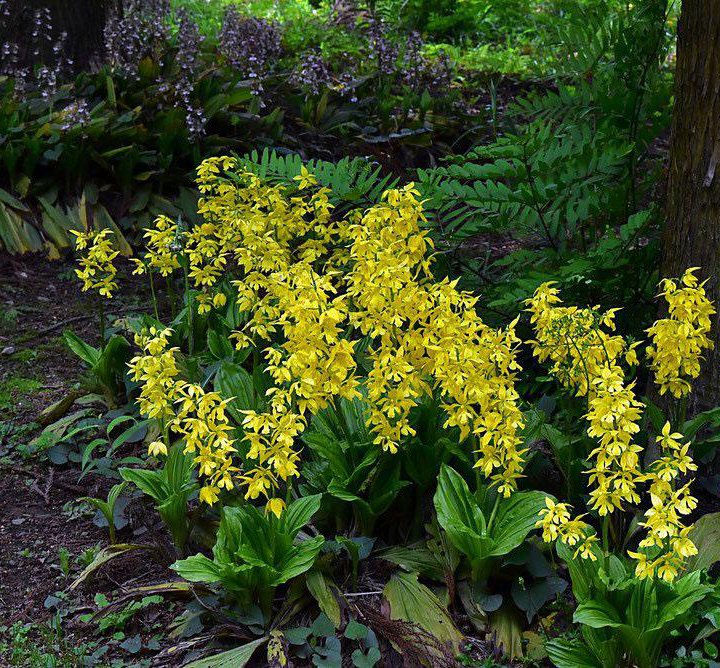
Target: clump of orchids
(311, 288)
(587, 359)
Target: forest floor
(47, 536)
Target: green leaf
(327, 448)
(361, 660)
(583, 572)
(232, 380)
(84, 351)
(532, 596)
(298, 635)
(459, 514)
(115, 492)
(102, 557)
(174, 513)
(571, 654)
(16, 234)
(103, 219)
(101, 505)
(133, 434)
(111, 95)
(220, 346)
(415, 558)
(302, 559)
(505, 625)
(515, 519)
(322, 592)
(688, 591)
(299, 513)
(355, 630)
(110, 367)
(178, 469)
(8, 199)
(322, 627)
(198, 568)
(234, 658)
(692, 426)
(385, 486)
(706, 536)
(88, 450)
(597, 614)
(150, 482)
(118, 420)
(413, 602)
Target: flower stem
(606, 534)
(494, 510)
(154, 296)
(102, 324)
(189, 306)
(171, 296)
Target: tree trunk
(691, 236)
(83, 21)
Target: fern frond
(353, 183)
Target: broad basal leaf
(515, 519)
(571, 654)
(299, 513)
(413, 602)
(198, 568)
(322, 592)
(460, 516)
(706, 536)
(302, 559)
(234, 658)
(597, 614)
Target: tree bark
(82, 20)
(691, 236)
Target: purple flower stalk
(250, 45)
(140, 32)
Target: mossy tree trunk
(82, 20)
(692, 227)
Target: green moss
(15, 387)
(26, 355)
(8, 319)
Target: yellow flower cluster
(556, 524)
(312, 366)
(252, 224)
(586, 359)
(162, 245)
(427, 336)
(308, 282)
(667, 540)
(203, 423)
(156, 370)
(268, 236)
(97, 271)
(679, 340)
(196, 415)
